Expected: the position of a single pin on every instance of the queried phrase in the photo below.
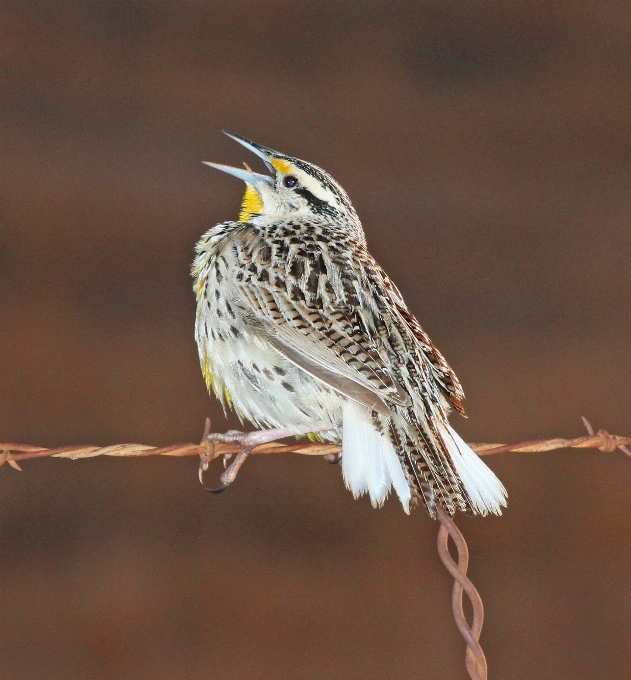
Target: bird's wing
(443, 373)
(324, 334)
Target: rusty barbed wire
(13, 453)
(208, 450)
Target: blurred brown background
(487, 148)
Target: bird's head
(294, 188)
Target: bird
(298, 327)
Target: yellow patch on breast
(251, 204)
(281, 166)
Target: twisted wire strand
(207, 450)
(12, 453)
(474, 658)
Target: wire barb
(474, 659)
(214, 446)
(5, 458)
(11, 453)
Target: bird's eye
(290, 181)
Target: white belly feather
(268, 390)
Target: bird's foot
(246, 441)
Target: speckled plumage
(295, 320)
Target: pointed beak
(253, 178)
(261, 151)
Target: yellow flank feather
(227, 397)
(251, 204)
(314, 437)
(208, 375)
(200, 286)
(207, 371)
(281, 166)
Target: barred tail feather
(484, 489)
(369, 461)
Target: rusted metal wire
(212, 447)
(14, 453)
(601, 440)
(474, 659)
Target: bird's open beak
(253, 178)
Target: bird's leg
(246, 442)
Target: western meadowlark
(299, 328)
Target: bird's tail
(370, 463)
(444, 469)
(437, 466)
(485, 493)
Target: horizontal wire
(13, 453)
(207, 450)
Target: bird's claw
(246, 441)
(229, 474)
(219, 489)
(230, 471)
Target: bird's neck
(309, 225)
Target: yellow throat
(251, 204)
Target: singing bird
(297, 324)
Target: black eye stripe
(326, 181)
(320, 176)
(317, 204)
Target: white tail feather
(369, 461)
(485, 490)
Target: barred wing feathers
(330, 309)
